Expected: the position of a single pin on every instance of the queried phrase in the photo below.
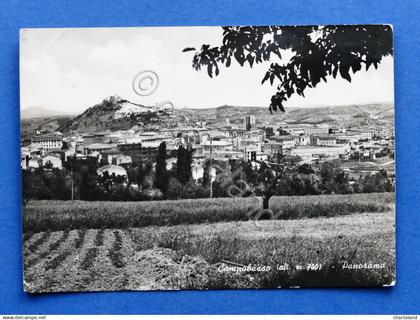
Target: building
(336, 130)
(52, 160)
(284, 131)
(115, 156)
(112, 170)
(47, 141)
(323, 140)
(321, 130)
(286, 142)
(269, 131)
(348, 138)
(171, 163)
(296, 130)
(69, 153)
(252, 120)
(242, 133)
(206, 147)
(309, 153)
(31, 163)
(241, 143)
(361, 134)
(303, 140)
(225, 155)
(122, 159)
(137, 152)
(384, 133)
(197, 168)
(197, 172)
(254, 154)
(249, 122)
(279, 145)
(96, 149)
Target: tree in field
(162, 176)
(319, 52)
(183, 165)
(378, 182)
(87, 186)
(48, 165)
(136, 174)
(206, 173)
(174, 190)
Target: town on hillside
(358, 150)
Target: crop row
(55, 253)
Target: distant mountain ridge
(350, 115)
(115, 113)
(40, 112)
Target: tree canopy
(318, 52)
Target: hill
(29, 126)
(112, 114)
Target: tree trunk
(266, 198)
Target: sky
(70, 70)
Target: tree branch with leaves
(319, 52)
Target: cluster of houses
(302, 143)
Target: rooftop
(99, 146)
(325, 137)
(118, 170)
(52, 155)
(48, 136)
(282, 138)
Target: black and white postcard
(236, 157)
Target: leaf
(356, 66)
(276, 102)
(188, 49)
(239, 56)
(344, 72)
(210, 70)
(267, 75)
(334, 73)
(280, 106)
(250, 60)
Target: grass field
(330, 205)
(61, 215)
(123, 246)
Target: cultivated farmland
(185, 244)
